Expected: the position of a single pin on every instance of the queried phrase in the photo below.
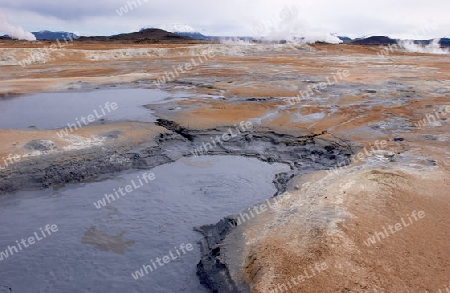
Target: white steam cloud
(15, 32)
(290, 27)
(433, 48)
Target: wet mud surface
(302, 154)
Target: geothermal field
(207, 166)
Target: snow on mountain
(176, 28)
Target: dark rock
(212, 270)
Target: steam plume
(289, 26)
(15, 32)
(433, 48)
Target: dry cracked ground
(317, 238)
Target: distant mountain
(183, 30)
(378, 40)
(51, 36)
(344, 39)
(421, 42)
(375, 40)
(150, 36)
(445, 42)
(195, 35)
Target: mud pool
(97, 250)
(56, 110)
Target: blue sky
(400, 18)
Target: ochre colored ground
(324, 217)
(413, 259)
